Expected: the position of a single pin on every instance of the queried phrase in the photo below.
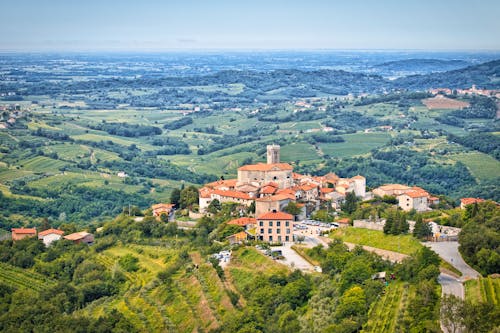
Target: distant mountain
(422, 65)
(485, 75)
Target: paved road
(451, 285)
(449, 252)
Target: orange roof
(239, 236)
(24, 230)
(416, 194)
(296, 175)
(277, 197)
(226, 182)
(266, 167)
(77, 235)
(243, 221)
(344, 220)
(307, 187)
(392, 187)
(268, 189)
(162, 206)
(205, 192)
(470, 201)
(275, 216)
(273, 184)
(326, 190)
(358, 177)
(232, 194)
(50, 231)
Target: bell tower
(273, 154)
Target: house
(391, 190)
(232, 196)
(20, 233)
(469, 201)
(343, 223)
(50, 235)
(275, 227)
(162, 208)
(80, 237)
(273, 203)
(414, 199)
(237, 238)
(246, 222)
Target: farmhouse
(469, 201)
(414, 199)
(162, 208)
(80, 237)
(50, 235)
(20, 233)
(275, 227)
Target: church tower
(273, 154)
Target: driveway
(449, 252)
(451, 285)
(292, 259)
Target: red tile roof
(232, 194)
(416, 194)
(30, 231)
(268, 189)
(243, 221)
(344, 220)
(266, 167)
(205, 192)
(77, 235)
(470, 201)
(326, 190)
(162, 206)
(226, 182)
(307, 187)
(50, 231)
(275, 216)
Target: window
(278, 231)
(278, 223)
(261, 231)
(279, 238)
(287, 231)
(287, 238)
(269, 231)
(270, 223)
(261, 224)
(274, 178)
(287, 224)
(270, 238)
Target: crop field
(386, 314)
(298, 151)
(482, 166)
(483, 290)
(441, 102)
(7, 175)
(120, 141)
(23, 278)
(405, 244)
(42, 164)
(355, 144)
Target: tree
(214, 206)
(293, 208)
(350, 204)
(451, 313)
(421, 230)
(389, 222)
(188, 197)
(175, 197)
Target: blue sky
(154, 25)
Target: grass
(405, 244)
(42, 164)
(355, 144)
(298, 151)
(482, 166)
(301, 251)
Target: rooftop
(77, 235)
(275, 216)
(232, 194)
(243, 221)
(24, 230)
(50, 231)
(266, 167)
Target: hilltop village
(270, 187)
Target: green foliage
(350, 204)
(188, 197)
(129, 263)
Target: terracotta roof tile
(275, 216)
(24, 230)
(470, 201)
(277, 197)
(243, 221)
(162, 206)
(77, 235)
(232, 194)
(50, 231)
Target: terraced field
(386, 314)
(355, 144)
(42, 164)
(22, 278)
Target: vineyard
(483, 290)
(387, 313)
(23, 278)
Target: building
(414, 199)
(246, 222)
(237, 238)
(162, 208)
(20, 233)
(275, 227)
(464, 202)
(261, 173)
(269, 204)
(81, 237)
(391, 190)
(50, 235)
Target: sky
(156, 25)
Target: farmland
(485, 289)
